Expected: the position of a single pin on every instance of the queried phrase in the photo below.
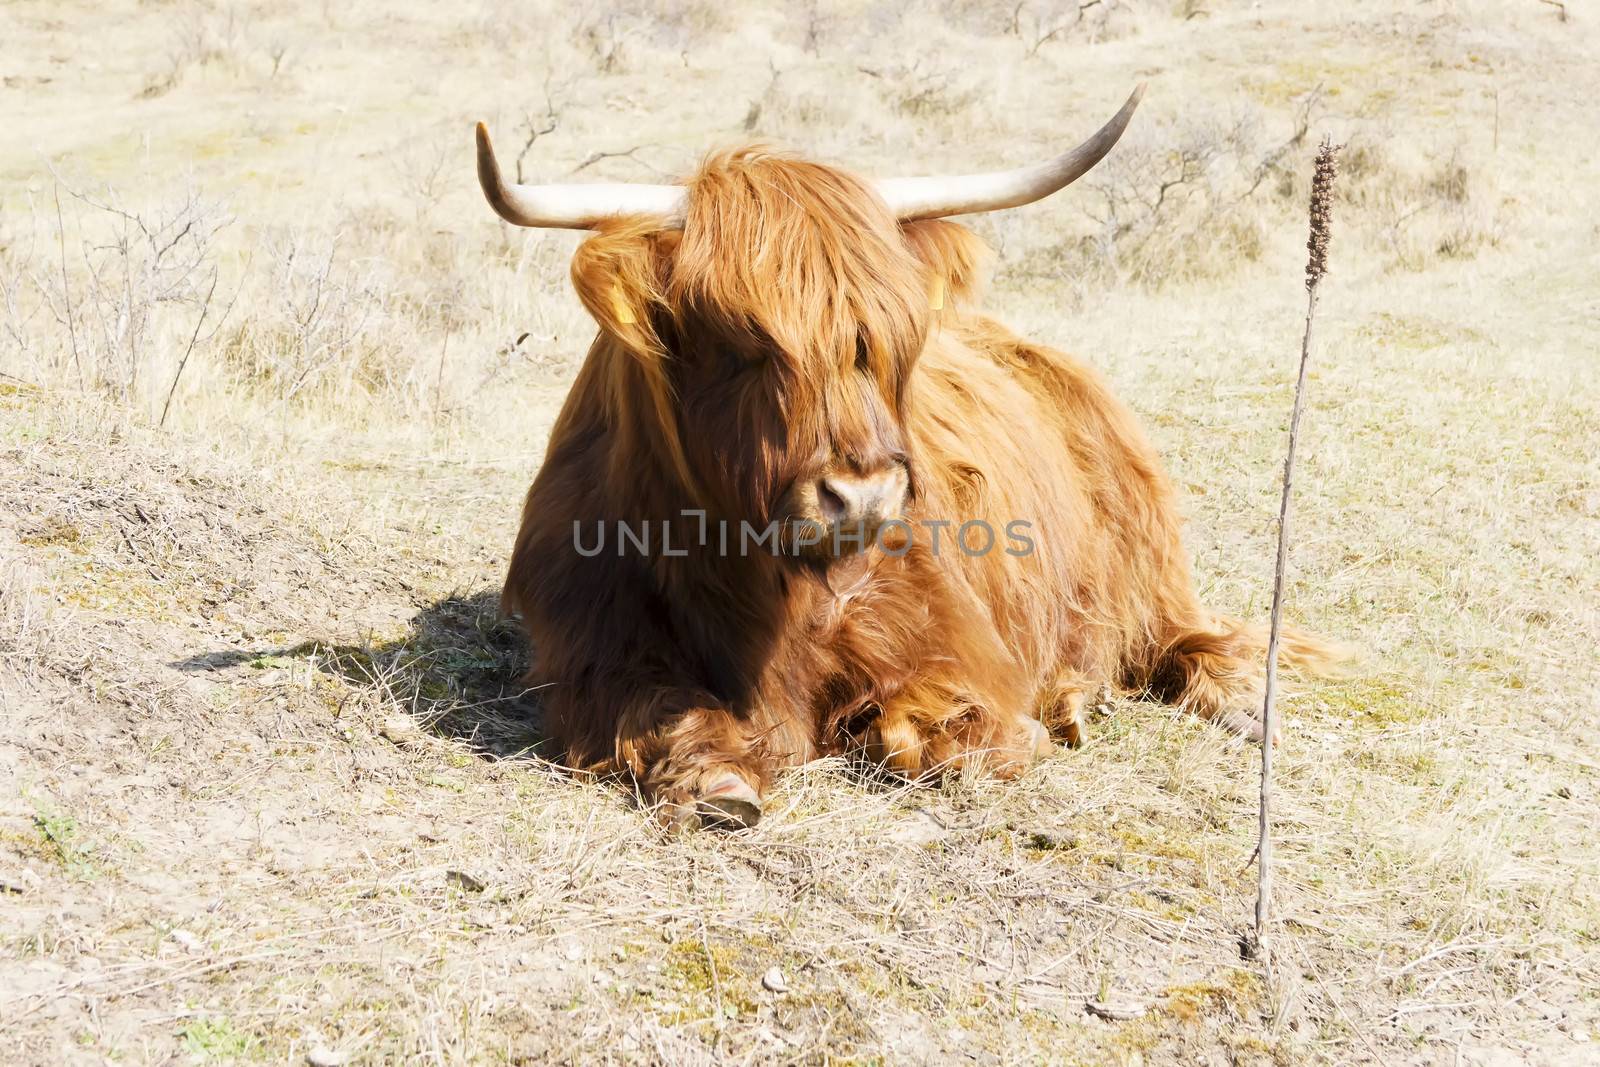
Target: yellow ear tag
(936, 293)
(620, 307)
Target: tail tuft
(1299, 649)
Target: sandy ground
(269, 790)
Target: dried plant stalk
(1327, 167)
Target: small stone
(919, 827)
(400, 729)
(187, 941)
(23, 881)
(1117, 1010)
(463, 880)
(573, 951)
(322, 1056)
(1049, 841)
(774, 981)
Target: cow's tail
(1214, 670)
(1300, 650)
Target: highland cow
(790, 351)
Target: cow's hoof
(1038, 738)
(729, 805)
(1247, 724)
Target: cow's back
(1011, 431)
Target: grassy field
(273, 380)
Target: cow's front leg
(933, 726)
(700, 767)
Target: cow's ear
(956, 258)
(620, 274)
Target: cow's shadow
(455, 672)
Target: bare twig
(1316, 267)
(194, 338)
(438, 381)
(540, 127)
(627, 153)
(1302, 126)
(753, 115)
(66, 287)
(200, 320)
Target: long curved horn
(937, 196)
(572, 207)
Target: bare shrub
(367, 311)
(921, 89)
(1167, 207)
(125, 282)
(1037, 23)
(1439, 206)
(26, 623)
(610, 32)
(278, 49)
(752, 117)
(426, 165)
(604, 37)
(814, 27)
(790, 113)
(20, 297)
(320, 326)
(202, 36)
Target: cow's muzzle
(840, 512)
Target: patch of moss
(1415, 333)
(129, 592)
(63, 843)
(1236, 992)
(52, 531)
(1292, 80)
(1165, 842)
(711, 972)
(1376, 701)
(216, 1040)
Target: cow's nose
(873, 498)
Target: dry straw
(1327, 168)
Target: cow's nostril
(833, 504)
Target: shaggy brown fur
(785, 328)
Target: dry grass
(265, 782)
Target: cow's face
(787, 317)
(809, 434)
(768, 313)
